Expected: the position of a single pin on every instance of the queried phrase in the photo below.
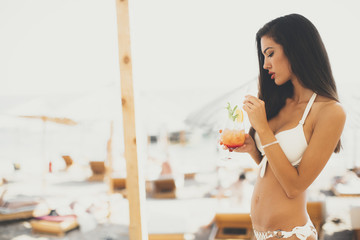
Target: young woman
(296, 124)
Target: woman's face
(275, 61)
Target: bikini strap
(307, 109)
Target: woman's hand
(255, 109)
(248, 147)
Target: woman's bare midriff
(271, 209)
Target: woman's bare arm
(326, 133)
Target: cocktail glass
(233, 133)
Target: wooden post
(135, 185)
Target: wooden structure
(16, 216)
(315, 211)
(134, 182)
(26, 214)
(232, 226)
(21, 209)
(118, 185)
(164, 188)
(170, 236)
(52, 227)
(98, 170)
(189, 175)
(68, 161)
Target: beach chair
(164, 188)
(118, 185)
(315, 211)
(21, 208)
(68, 161)
(169, 236)
(56, 225)
(98, 169)
(231, 226)
(189, 175)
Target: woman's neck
(301, 94)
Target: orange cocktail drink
(232, 138)
(233, 134)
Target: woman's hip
(305, 232)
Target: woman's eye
(271, 54)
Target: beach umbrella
(65, 121)
(95, 109)
(43, 108)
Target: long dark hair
(308, 58)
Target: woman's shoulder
(329, 109)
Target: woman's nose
(267, 64)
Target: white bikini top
(292, 141)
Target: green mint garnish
(231, 112)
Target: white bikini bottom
(302, 232)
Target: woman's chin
(279, 82)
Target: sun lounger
(189, 175)
(170, 236)
(57, 225)
(98, 169)
(164, 188)
(118, 185)
(315, 211)
(231, 226)
(21, 208)
(68, 161)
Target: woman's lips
(272, 75)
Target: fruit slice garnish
(239, 115)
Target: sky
(53, 46)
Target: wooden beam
(134, 181)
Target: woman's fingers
(246, 147)
(249, 99)
(246, 107)
(243, 149)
